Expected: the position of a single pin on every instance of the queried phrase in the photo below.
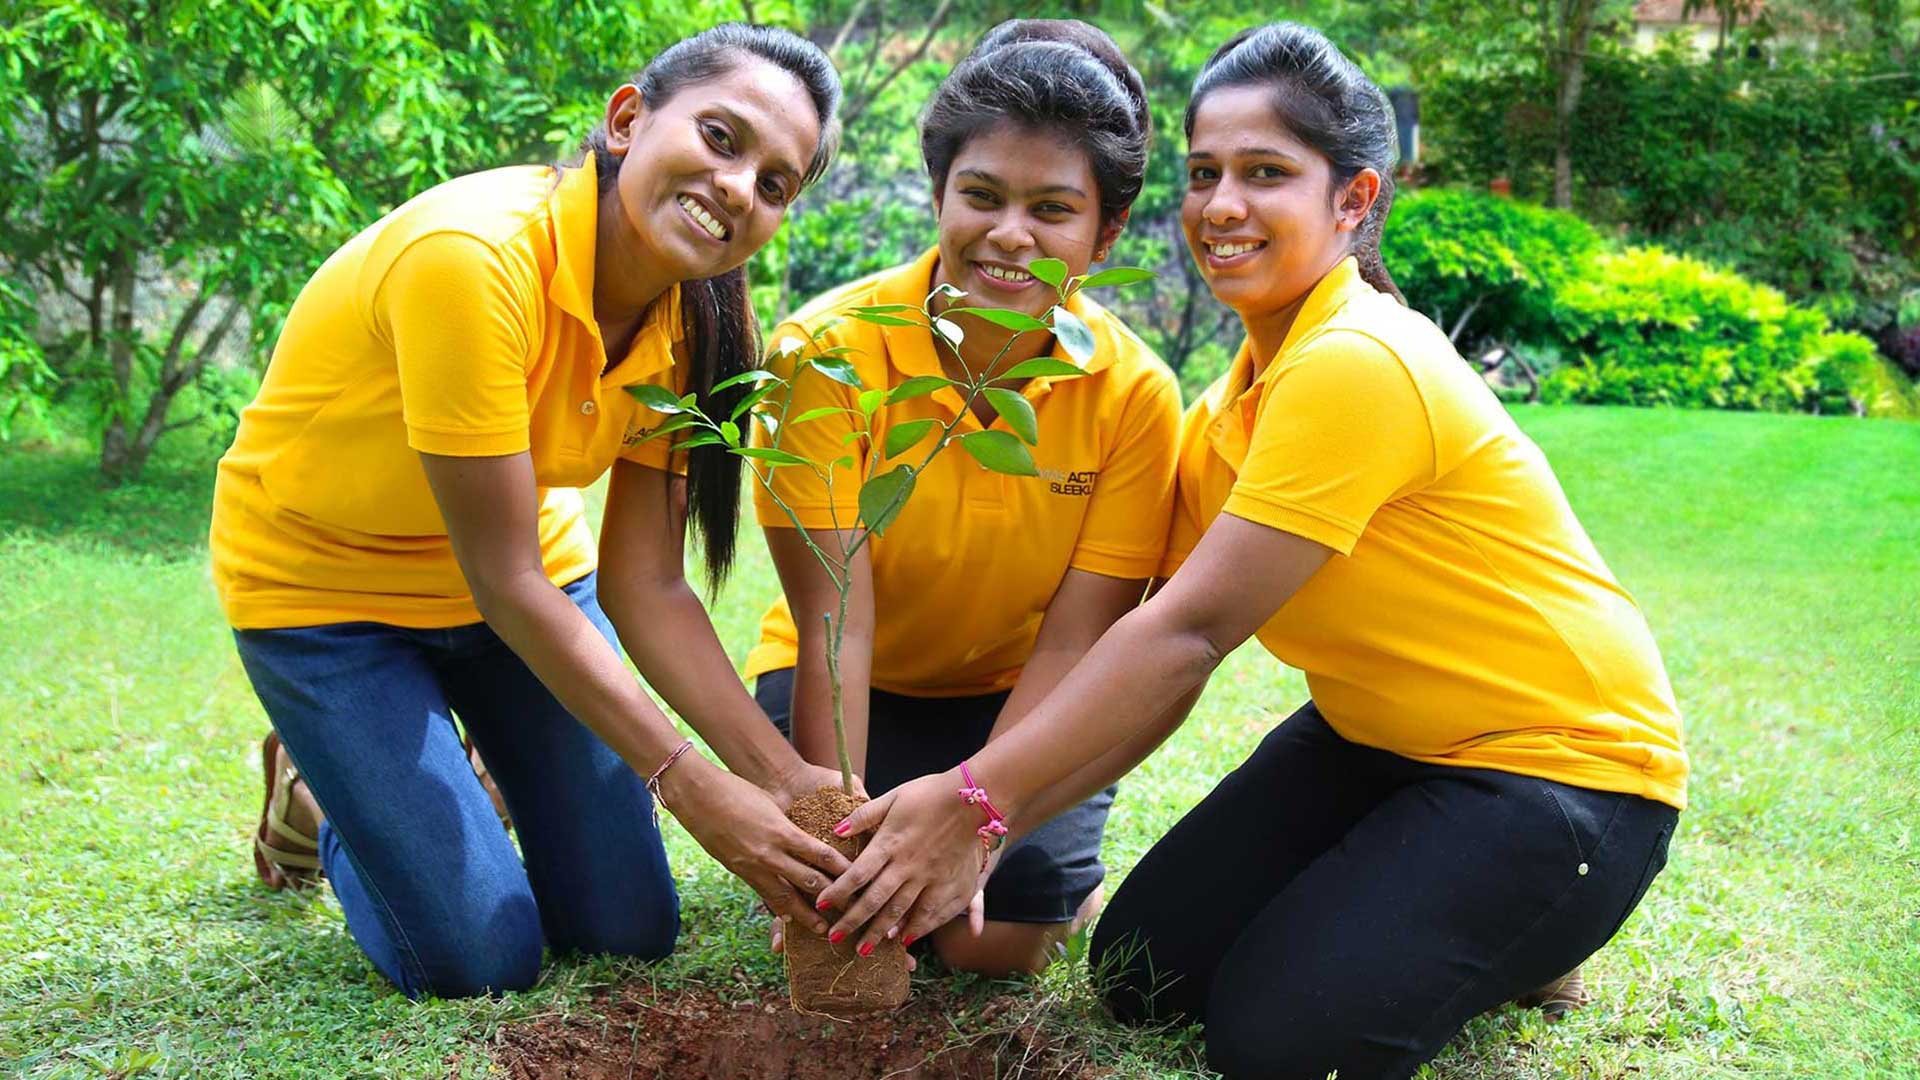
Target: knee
(497, 963)
(1004, 950)
(647, 935)
(1243, 1046)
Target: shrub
(1484, 267)
(1646, 327)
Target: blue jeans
(431, 886)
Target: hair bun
(1085, 37)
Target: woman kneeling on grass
(987, 588)
(1490, 769)
(396, 539)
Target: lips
(1004, 276)
(1231, 248)
(704, 216)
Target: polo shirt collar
(575, 209)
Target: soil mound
(693, 1035)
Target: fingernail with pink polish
(866, 948)
(843, 828)
(907, 941)
(821, 905)
(837, 936)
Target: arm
(1153, 658)
(811, 596)
(1082, 609)
(492, 515)
(665, 629)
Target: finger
(782, 900)
(886, 925)
(777, 936)
(868, 817)
(931, 913)
(815, 852)
(868, 904)
(806, 879)
(854, 878)
(977, 913)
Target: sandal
(1559, 997)
(283, 856)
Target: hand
(804, 778)
(741, 827)
(921, 868)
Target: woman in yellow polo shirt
(397, 537)
(1490, 768)
(987, 588)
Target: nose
(736, 189)
(1224, 205)
(1010, 232)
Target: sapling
(891, 468)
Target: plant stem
(835, 628)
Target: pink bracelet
(653, 782)
(995, 830)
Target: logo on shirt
(1069, 482)
(635, 432)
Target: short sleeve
(462, 329)
(1125, 529)
(1340, 431)
(822, 438)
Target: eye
(981, 195)
(775, 189)
(1053, 209)
(1269, 172)
(718, 136)
(1202, 174)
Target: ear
(1353, 202)
(624, 110)
(1110, 232)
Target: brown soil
(694, 1035)
(835, 980)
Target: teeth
(1004, 274)
(706, 220)
(1227, 251)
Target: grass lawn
(1778, 558)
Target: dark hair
(1328, 104)
(1058, 75)
(721, 332)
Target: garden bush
(1484, 268)
(1647, 327)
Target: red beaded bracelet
(653, 782)
(994, 832)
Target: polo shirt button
(587, 408)
(1583, 870)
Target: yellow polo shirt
(963, 576)
(459, 324)
(1468, 620)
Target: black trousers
(1334, 907)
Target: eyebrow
(751, 135)
(1050, 189)
(1251, 151)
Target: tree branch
(851, 114)
(846, 30)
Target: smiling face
(1262, 216)
(1013, 196)
(706, 176)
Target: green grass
(1777, 557)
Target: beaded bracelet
(994, 832)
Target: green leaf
(1051, 271)
(844, 461)
(918, 386)
(882, 497)
(756, 375)
(658, 398)
(878, 319)
(820, 331)
(1039, 366)
(1017, 411)
(903, 437)
(1000, 452)
(1012, 320)
(882, 309)
(815, 414)
(730, 431)
(1075, 336)
(769, 454)
(673, 424)
(1116, 275)
(840, 371)
(769, 421)
(705, 438)
(871, 400)
(950, 330)
(753, 398)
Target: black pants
(1331, 906)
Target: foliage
(171, 171)
(828, 243)
(1650, 328)
(1484, 268)
(757, 425)
(1689, 154)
